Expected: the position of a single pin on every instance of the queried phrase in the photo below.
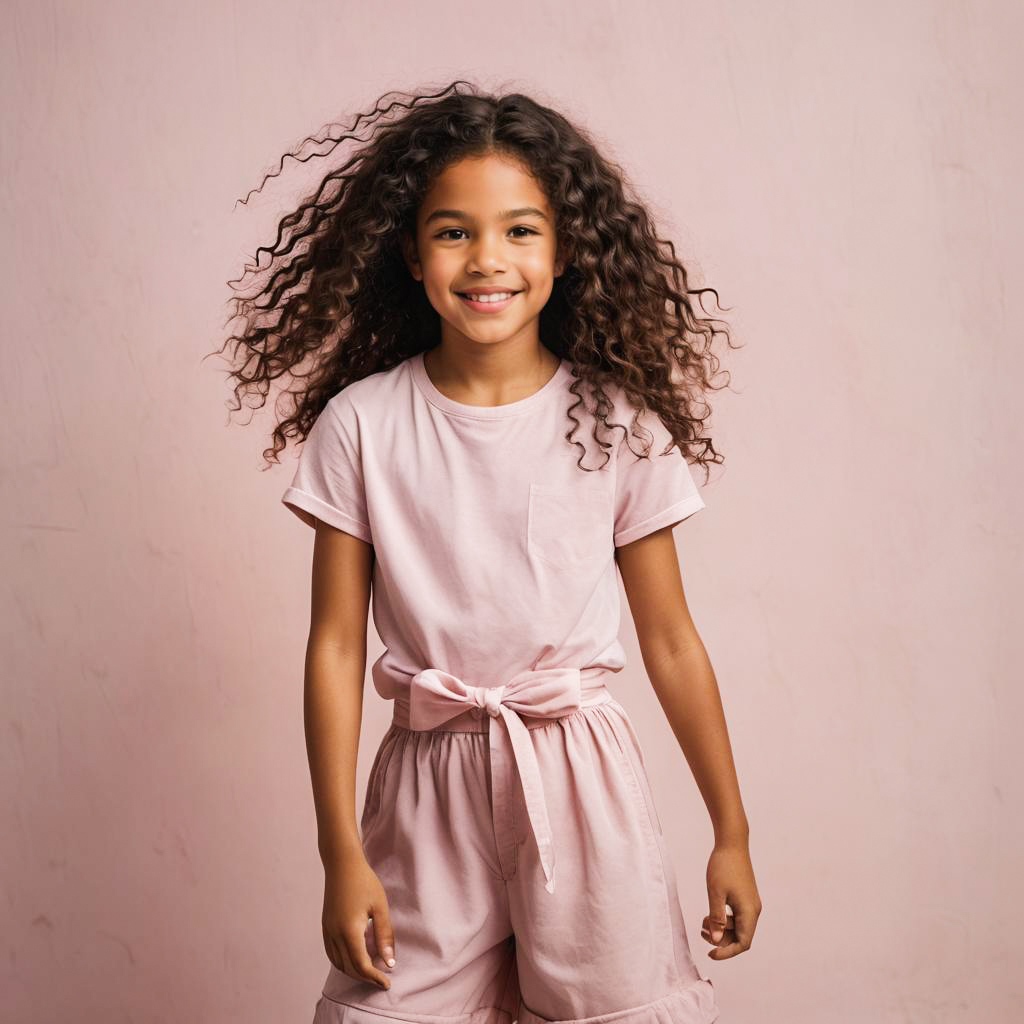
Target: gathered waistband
(593, 691)
(529, 699)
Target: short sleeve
(651, 492)
(328, 480)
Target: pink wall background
(846, 174)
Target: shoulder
(634, 437)
(366, 400)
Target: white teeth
(496, 297)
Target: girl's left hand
(730, 879)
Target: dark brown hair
(340, 303)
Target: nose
(486, 255)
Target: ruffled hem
(694, 1004)
(330, 1011)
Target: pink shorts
(479, 939)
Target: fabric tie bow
(436, 696)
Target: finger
(729, 946)
(345, 964)
(717, 919)
(724, 932)
(383, 934)
(335, 953)
(746, 921)
(355, 943)
(338, 954)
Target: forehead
(484, 185)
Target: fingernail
(716, 936)
(390, 961)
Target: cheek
(437, 264)
(538, 265)
(539, 275)
(438, 275)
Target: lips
(488, 305)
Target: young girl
(500, 373)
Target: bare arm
(684, 681)
(681, 674)
(335, 673)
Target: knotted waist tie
(436, 697)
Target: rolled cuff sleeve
(307, 506)
(652, 492)
(328, 480)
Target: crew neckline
(484, 412)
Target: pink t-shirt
(494, 551)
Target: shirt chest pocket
(569, 526)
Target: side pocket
(633, 762)
(645, 786)
(377, 779)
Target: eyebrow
(523, 211)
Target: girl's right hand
(353, 894)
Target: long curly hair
(338, 302)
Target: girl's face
(485, 225)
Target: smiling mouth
(487, 297)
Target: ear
(411, 257)
(559, 265)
